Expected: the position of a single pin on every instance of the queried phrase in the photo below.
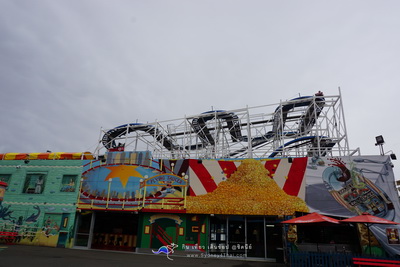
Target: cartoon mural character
(38, 185)
(168, 189)
(315, 162)
(5, 213)
(50, 227)
(68, 187)
(392, 235)
(292, 233)
(168, 249)
(34, 217)
(352, 190)
(17, 227)
(19, 223)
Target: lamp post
(379, 142)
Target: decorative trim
(37, 203)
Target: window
(34, 183)
(68, 183)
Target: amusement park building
(40, 196)
(217, 183)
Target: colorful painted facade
(130, 201)
(211, 206)
(39, 202)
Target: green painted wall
(47, 216)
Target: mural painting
(21, 227)
(25, 226)
(131, 186)
(249, 190)
(34, 227)
(40, 202)
(350, 186)
(337, 186)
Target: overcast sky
(68, 68)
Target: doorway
(115, 231)
(83, 225)
(255, 237)
(245, 236)
(237, 236)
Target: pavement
(32, 256)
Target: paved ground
(32, 256)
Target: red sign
(116, 149)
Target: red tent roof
(312, 218)
(368, 218)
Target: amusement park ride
(303, 126)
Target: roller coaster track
(313, 105)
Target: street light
(380, 142)
(392, 155)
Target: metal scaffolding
(304, 126)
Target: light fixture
(379, 140)
(392, 154)
(102, 158)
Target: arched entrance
(163, 232)
(164, 229)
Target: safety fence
(315, 259)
